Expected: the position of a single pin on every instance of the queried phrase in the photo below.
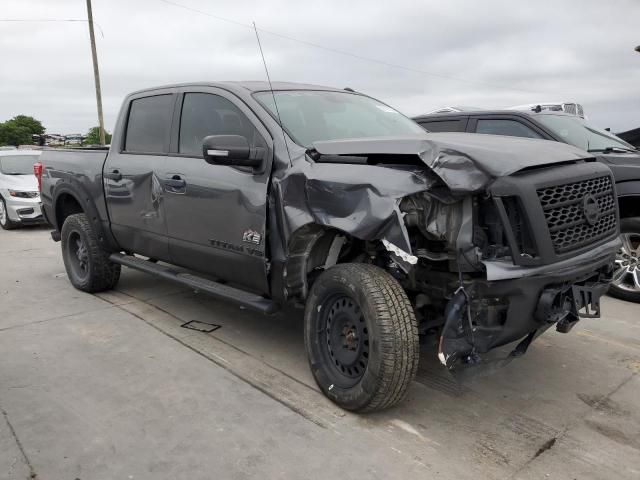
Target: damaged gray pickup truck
(382, 231)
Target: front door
(216, 214)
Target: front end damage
(492, 242)
(506, 264)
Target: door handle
(175, 182)
(114, 175)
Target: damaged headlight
(436, 220)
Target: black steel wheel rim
(344, 339)
(78, 255)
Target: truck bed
(80, 169)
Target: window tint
(204, 114)
(149, 124)
(510, 128)
(443, 126)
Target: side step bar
(220, 291)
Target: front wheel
(361, 337)
(5, 222)
(626, 276)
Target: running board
(217, 290)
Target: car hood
(19, 182)
(465, 162)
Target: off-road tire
(627, 225)
(100, 273)
(393, 346)
(8, 223)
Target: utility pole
(96, 72)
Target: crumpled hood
(19, 182)
(466, 162)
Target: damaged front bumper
(518, 303)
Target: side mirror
(233, 150)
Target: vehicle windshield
(309, 116)
(18, 164)
(577, 132)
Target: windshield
(575, 131)
(18, 164)
(309, 116)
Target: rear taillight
(37, 171)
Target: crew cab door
(216, 214)
(133, 171)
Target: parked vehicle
(73, 139)
(566, 107)
(382, 231)
(621, 157)
(19, 196)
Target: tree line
(20, 130)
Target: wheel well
(308, 249)
(629, 206)
(66, 205)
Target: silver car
(19, 196)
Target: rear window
(149, 124)
(443, 126)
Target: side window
(149, 124)
(510, 128)
(442, 125)
(205, 114)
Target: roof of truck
(246, 86)
(490, 112)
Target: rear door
(133, 172)
(216, 214)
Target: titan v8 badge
(251, 236)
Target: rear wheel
(626, 276)
(5, 222)
(87, 263)
(361, 336)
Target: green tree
(33, 125)
(93, 136)
(11, 134)
(19, 129)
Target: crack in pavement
(32, 472)
(549, 444)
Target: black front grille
(566, 219)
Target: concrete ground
(111, 386)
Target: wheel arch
(629, 206)
(309, 248)
(72, 198)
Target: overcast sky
(490, 53)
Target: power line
(53, 20)
(345, 53)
